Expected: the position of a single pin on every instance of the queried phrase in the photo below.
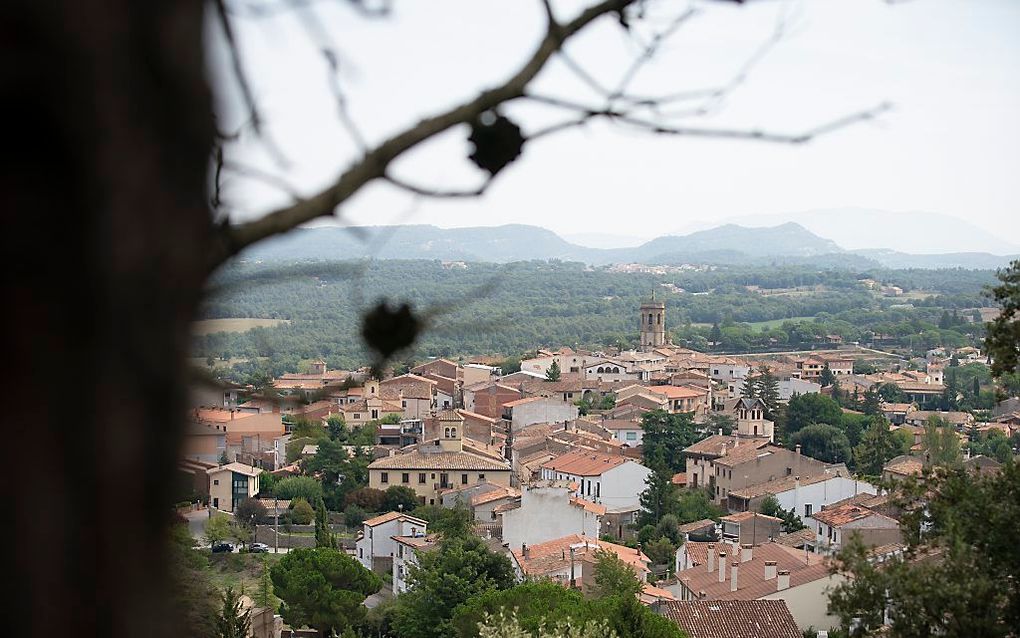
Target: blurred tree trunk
(106, 232)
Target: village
(725, 483)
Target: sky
(950, 145)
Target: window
(216, 482)
(807, 509)
(375, 414)
(433, 476)
(357, 416)
(405, 478)
(216, 503)
(400, 551)
(361, 552)
(632, 436)
(384, 477)
(481, 477)
(453, 433)
(403, 404)
(597, 490)
(444, 479)
(463, 479)
(421, 477)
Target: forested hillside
(481, 308)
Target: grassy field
(239, 571)
(210, 326)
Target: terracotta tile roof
(494, 495)
(697, 551)
(650, 594)
(418, 542)
(390, 516)
(468, 416)
(717, 445)
(733, 618)
(585, 463)
(554, 555)
(239, 468)
(740, 517)
(588, 506)
(621, 424)
(843, 514)
(677, 392)
(745, 452)
(905, 466)
(417, 460)
(787, 483)
(680, 478)
(797, 539)
(751, 582)
(696, 525)
(513, 404)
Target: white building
(727, 372)
(834, 525)
(613, 481)
(406, 556)
(550, 510)
(375, 544)
(804, 496)
(627, 432)
(524, 412)
(787, 388)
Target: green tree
(770, 507)
(941, 444)
(720, 421)
(661, 552)
(336, 426)
(807, 409)
(323, 532)
(267, 483)
(767, 390)
(217, 529)
(301, 511)
(872, 403)
(827, 377)
(659, 497)
(613, 577)
(823, 442)
(370, 498)
(233, 620)
(294, 487)
(878, 445)
(322, 588)
(249, 512)
(665, 437)
(400, 497)
(957, 574)
(715, 335)
(695, 505)
(553, 373)
(264, 593)
(535, 603)
(891, 393)
(507, 626)
(354, 516)
(1002, 340)
(192, 596)
(445, 578)
(995, 444)
(448, 521)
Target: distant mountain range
(787, 243)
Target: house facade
(232, 483)
(610, 480)
(375, 545)
(550, 510)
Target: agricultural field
(212, 326)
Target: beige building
(232, 483)
(725, 463)
(440, 464)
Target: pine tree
(323, 534)
(827, 376)
(768, 391)
(553, 373)
(233, 621)
(872, 404)
(264, 595)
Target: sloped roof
(390, 516)
(733, 618)
(585, 463)
(239, 468)
(555, 554)
(416, 460)
(751, 581)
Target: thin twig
(438, 193)
(264, 176)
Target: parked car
(222, 547)
(258, 548)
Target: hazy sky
(950, 67)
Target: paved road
(196, 523)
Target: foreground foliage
(958, 574)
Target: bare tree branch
(375, 161)
(255, 118)
(438, 193)
(263, 176)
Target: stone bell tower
(653, 324)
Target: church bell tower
(653, 324)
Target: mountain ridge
(727, 244)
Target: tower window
(650, 320)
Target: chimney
(524, 550)
(711, 557)
(783, 581)
(722, 567)
(702, 595)
(746, 553)
(770, 569)
(733, 575)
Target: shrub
(301, 511)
